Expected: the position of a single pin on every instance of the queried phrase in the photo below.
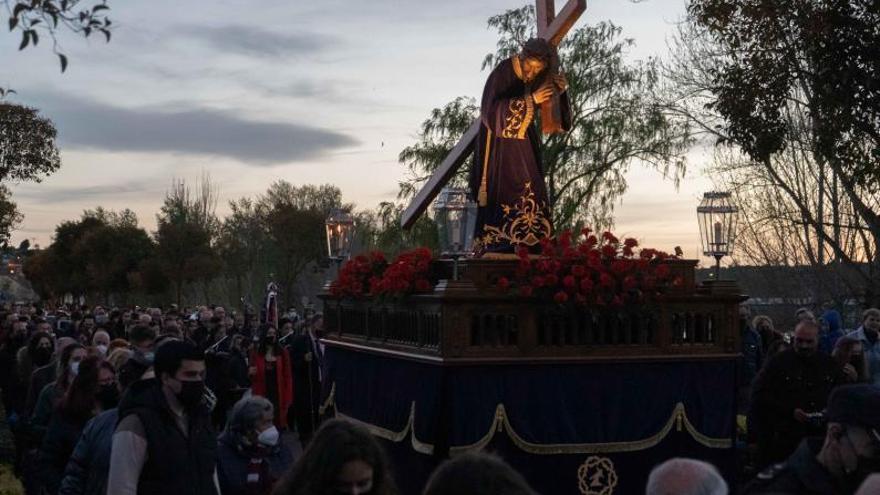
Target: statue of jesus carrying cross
(507, 177)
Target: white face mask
(74, 368)
(102, 349)
(269, 437)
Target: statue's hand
(543, 93)
(561, 82)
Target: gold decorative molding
(501, 423)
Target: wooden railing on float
(470, 320)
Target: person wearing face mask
(868, 334)
(85, 398)
(101, 342)
(86, 471)
(164, 443)
(271, 375)
(839, 461)
(251, 456)
(790, 392)
(52, 393)
(342, 459)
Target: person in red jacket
(271, 375)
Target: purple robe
(517, 210)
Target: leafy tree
(380, 229)
(99, 254)
(186, 230)
(791, 85)
(10, 216)
(28, 151)
(49, 16)
(616, 122)
(242, 244)
(294, 219)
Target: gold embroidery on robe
(521, 112)
(525, 223)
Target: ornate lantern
(456, 217)
(717, 218)
(340, 228)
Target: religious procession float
(581, 358)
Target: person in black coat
(83, 400)
(307, 357)
(250, 455)
(790, 393)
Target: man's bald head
(681, 476)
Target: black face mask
(108, 396)
(42, 356)
(191, 393)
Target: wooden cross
(552, 28)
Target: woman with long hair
(86, 397)
(850, 354)
(342, 458)
(51, 394)
(271, 375)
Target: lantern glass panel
(340, 227)
(455, 216)
(717, 220)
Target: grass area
(8, 484)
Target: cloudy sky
(306, 91)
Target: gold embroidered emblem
(525, 223)
(521, 111)
(597, 476)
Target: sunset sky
(307, 91)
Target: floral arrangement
(372, 275)
(357, 276)
(593, 271)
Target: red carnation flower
(586, 286)
(503, 283)
(537, 281)
(605, 280)
(422, 285)
(551, 280)
(560, 297)
(525, 291)
(630, 282)
(578, 270)
(568, 282)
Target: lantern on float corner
(340, 228)
(456, 217)
(717, 217)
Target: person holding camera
(841, 460)
(790, 391)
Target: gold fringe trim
(501, 423)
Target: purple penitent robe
(517, 208)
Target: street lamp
(340, 228)
(456, 217)
(717, 218)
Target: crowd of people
(130, 400)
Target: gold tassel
(483, 195)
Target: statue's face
(531, 68)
